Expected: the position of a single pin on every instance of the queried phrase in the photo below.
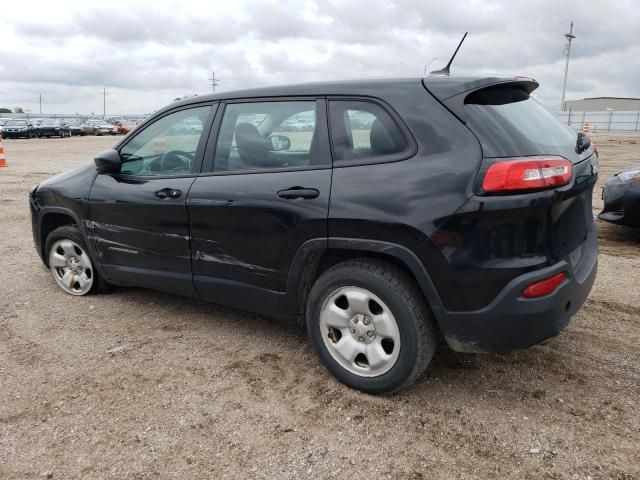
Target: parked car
(462, 210)
(50, 127)
(18, 129)
(621, 197)
(99, 127)
(125, 127)
(2, 122)
(76, 129)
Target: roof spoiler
(451, 91)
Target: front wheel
(370, 325)
(70, 263)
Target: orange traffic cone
(3, 161)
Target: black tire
(401, 294)
(71, 232)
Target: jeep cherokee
(404, 210)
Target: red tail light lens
(530, 174)
(544, 287)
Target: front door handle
(298, 192)
(169, 193)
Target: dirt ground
(140, 384)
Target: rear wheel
(70, 263)
(370, 325)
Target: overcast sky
(148, 53)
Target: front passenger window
(167, 146)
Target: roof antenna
(445, 70)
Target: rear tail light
(512, 175)
(544, 287)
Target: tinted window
(509, 122)
(167, 146)
(266, 135)
(363, 130)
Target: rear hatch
(510, 124)
(531, 226)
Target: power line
(569, 36)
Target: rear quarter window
(364, 132)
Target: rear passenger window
(363, 130)
(268, 135)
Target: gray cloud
(152, 51)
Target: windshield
(49, 122)
(509, 122)
(16, 123)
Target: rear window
(509, 122)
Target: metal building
(601, 104)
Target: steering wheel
(175, 160)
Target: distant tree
(18, 110)
(5, 110)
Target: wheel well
(50, 222)
(319, 263)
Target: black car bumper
(6, 134)
(35, 217)
(44, 132)
(621, 203)
(512, 321)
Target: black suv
(380, 213)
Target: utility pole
(567, 52)
(104, 103)
(40, 97)
(213, 81)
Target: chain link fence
(609, 121)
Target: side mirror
(108, 161)
(279, 142)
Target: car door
(139, 220)
(264, 191)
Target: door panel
(134, 227)
(243, 231)
(261, 197)
(139, 218)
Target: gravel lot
(140, 384)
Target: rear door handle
(298, 192)
(169, 193)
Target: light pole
(104, 103)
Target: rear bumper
(510, 321)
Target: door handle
(298, 192)
(169, 193)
